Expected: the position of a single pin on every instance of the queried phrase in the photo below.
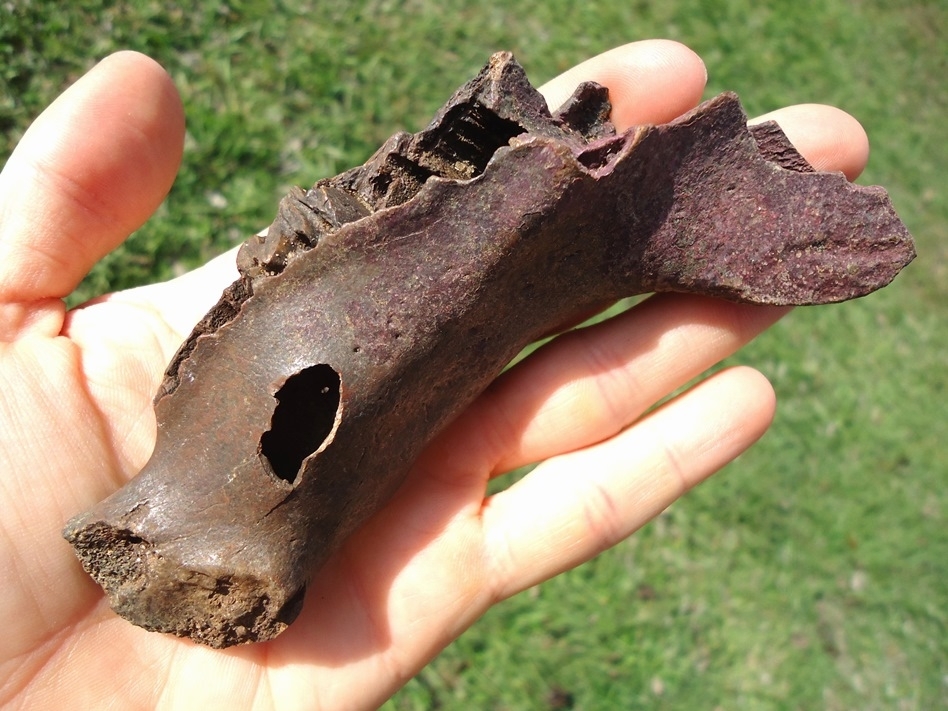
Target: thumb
(89, 171)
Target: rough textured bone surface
(382, 301)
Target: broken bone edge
(219, 610)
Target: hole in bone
(302, 420)
(466, 140)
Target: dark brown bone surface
(382, 301)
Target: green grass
(813, 573)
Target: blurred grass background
(813, 573)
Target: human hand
(76, 422)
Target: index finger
(652, 81)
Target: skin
(76, 422)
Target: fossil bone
(382, 301)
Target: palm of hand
(76, 422)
